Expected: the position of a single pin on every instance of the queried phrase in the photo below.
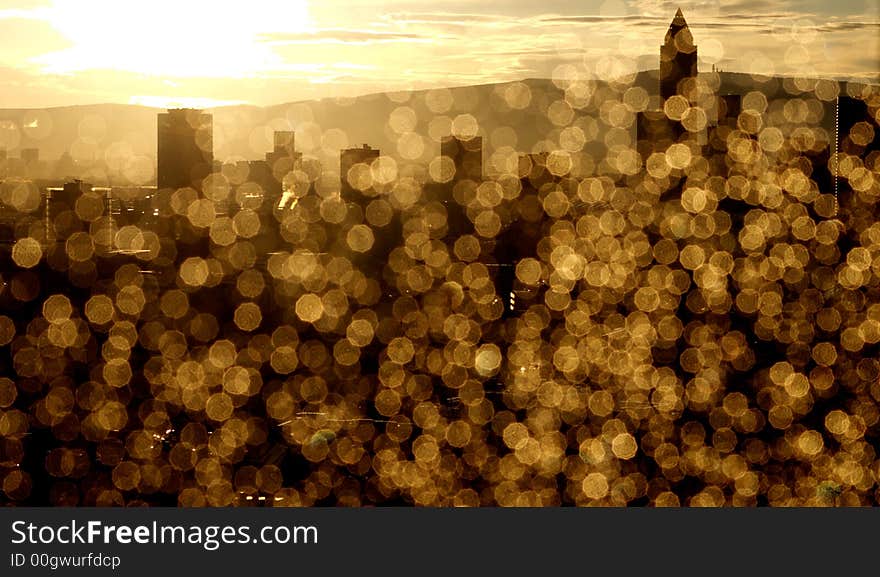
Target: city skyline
(660, 290)
(56, 53)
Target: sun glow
(172, 38)
(159, 101)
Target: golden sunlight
(198, 38)
(161, 101)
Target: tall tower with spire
(678, 57)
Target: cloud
(703, 8)
(25, 12)
(342, 36)
(458, 19)
(847, 26)
(24, 39)
(504, 47)
(357, 45)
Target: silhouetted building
(69, 194)
(284, 144)
(60, 209)
(185, 148)
(458, 184)
(22, 207)
(655, 132)
(133, 206)
(260, 172)
(729, 107)
(466, 155)
(678, 58)
(655, 129)
(30, 164)
(858, 132)
(858, 155)
(727, 110)
(354, 171)
(282, 160)
(521, 236)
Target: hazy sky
(207, 52)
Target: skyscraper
(281, 161)
(657, 129)
(284, 145)
(678, 57)
(185, 154)
(353, 161)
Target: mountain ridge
(93, 135)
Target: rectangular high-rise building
(185, 151)
(353, 162)
(284, 141)
(281, 161)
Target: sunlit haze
(57, 52)
(201, 38)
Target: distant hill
(509, 114)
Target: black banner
(398, 541)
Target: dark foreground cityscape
(672, 299)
